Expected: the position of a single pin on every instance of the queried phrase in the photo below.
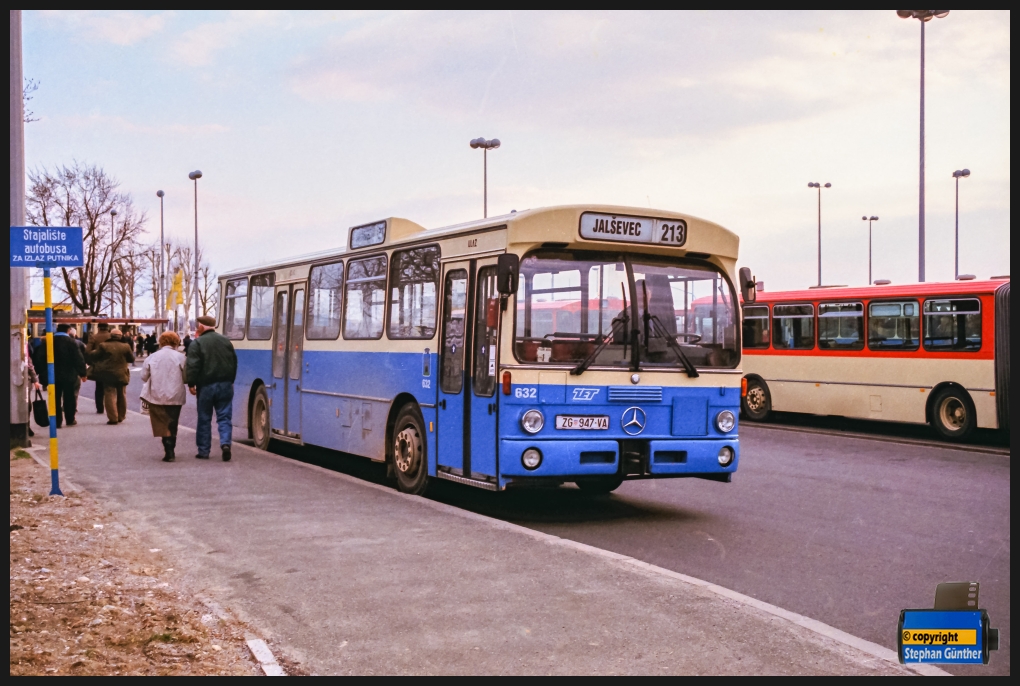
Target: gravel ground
(88, 597)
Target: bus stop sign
(47, 246)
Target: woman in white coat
(165, 391)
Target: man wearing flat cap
(211, 370)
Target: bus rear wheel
(757, 404)
(953, 415)
(259, 420)
(409, 452)
(599, 485)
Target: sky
(305, 124)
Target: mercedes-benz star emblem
(633, 420)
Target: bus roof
(526, 227)
(885, 291)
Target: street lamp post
(161, 296)
(195, 176)
(113, 256)
(924, 16)
(958, 174)
(819, 186)
(486, 146)
(869, 220)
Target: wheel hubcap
(755, 399)
(953, 414)
(407, 450)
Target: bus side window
(841, 326)
(451, 370)
(756, 326)
(487, 314)
(414, 275)
(260, 319)
(325, 291)
(365, 298)
(235, 307)
(894, 325)
(793, 327)
(952, 324)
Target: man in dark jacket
(211, 370)
(111, 367)
(95, 340)
(68, 367)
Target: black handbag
(41, 410)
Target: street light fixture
(113, 255)
(813, 184)
(195, 176)
(924, 16)
(486, 146)
(161, 297)
(869, 220)
(958, 174)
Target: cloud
(198, 46)
(119, 28)
(672, 74)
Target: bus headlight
(725, 456)
(532, 422)
(531, 458)
(725, 421)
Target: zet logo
(585, 394)
(956, 631)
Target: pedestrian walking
(110, 367)
(151, 345)
(139, 346)
(97, 338)
(68, 366)
(211, 370)
(163, 388)
(73, 334)
(33, 379)
(187, 342)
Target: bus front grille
(635, 394)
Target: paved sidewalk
(347, 577)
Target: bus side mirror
(507, 268)
(747, 286)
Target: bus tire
(259, 420)
(600, 485)
(409, 452)
(952, 414)
(757, 404)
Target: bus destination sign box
(613, 227)
(46, 246)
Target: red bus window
(841, 326)
(756, 326)
(894, 325)
(793, 327)
(952, 324)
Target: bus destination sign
(46, 246)
(614, 227)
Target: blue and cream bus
(545, 346)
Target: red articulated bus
(934, 353)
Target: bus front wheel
(953, 415)
(409, 453)
(757, 404)
(259, 421)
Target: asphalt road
(845, 530)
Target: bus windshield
(573, 305)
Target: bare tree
(83, 195)
(151, 257)
(129, 271)
(208, 290)
(31, 86)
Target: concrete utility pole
(20, 291)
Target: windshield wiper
(583, 365)
(660, 330)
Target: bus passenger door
(481, 415)
(452, 381)
(295, 346)
(277, 390)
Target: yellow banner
(940, 637)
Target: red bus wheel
(953, 415)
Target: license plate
(588, 422)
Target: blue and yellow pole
(51, 388)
